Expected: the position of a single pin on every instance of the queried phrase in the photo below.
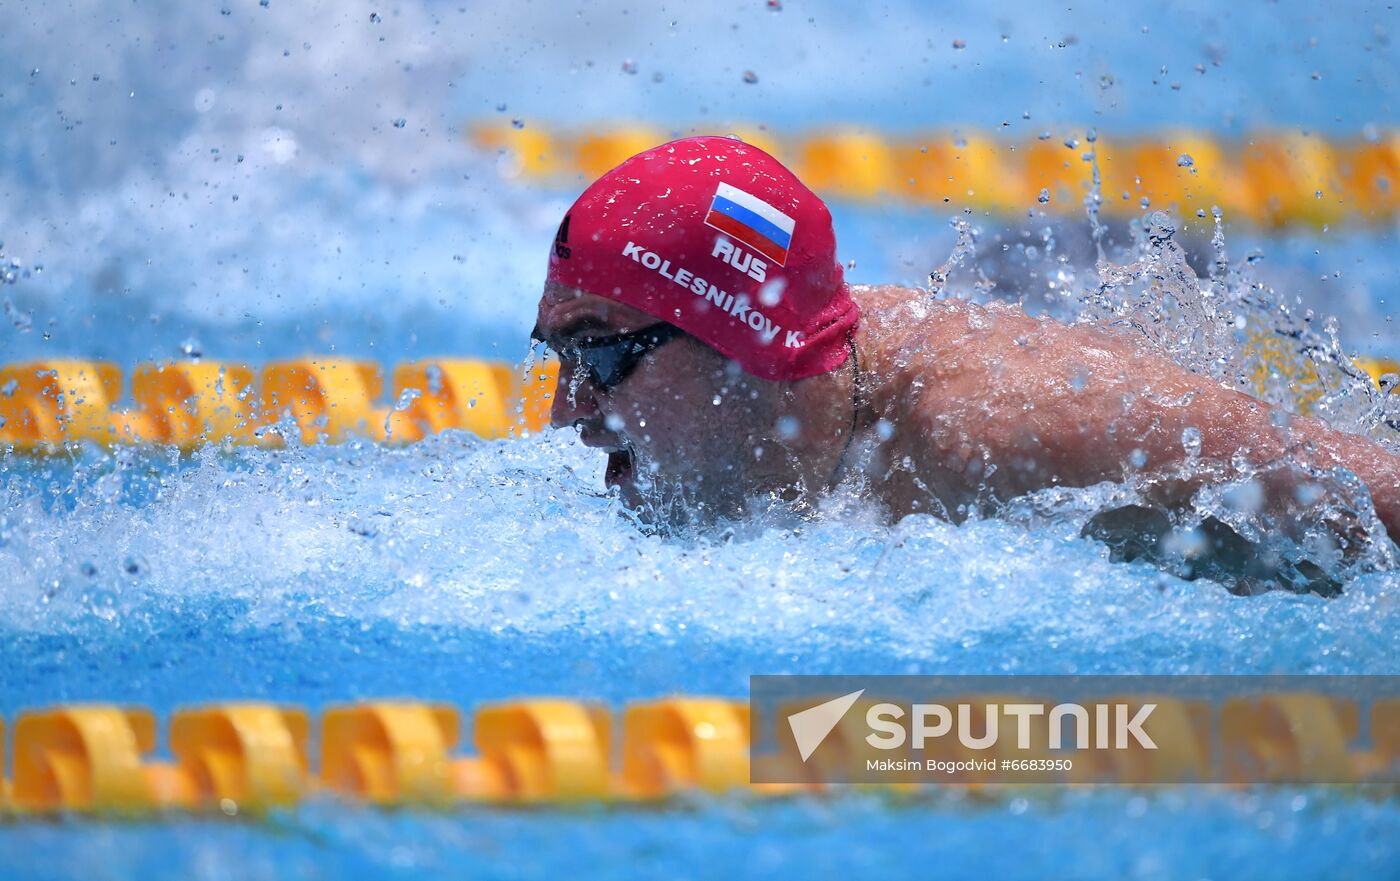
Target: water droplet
(1185, 160)
(400, 122)
(750, 77)
(1072, 143)
(1191, 441)
(629, 66)
(772, 292)
(1044, 195)
(775, 5)
(959, 44)
(517, 123)
(1043, 136)
(191, 348)
(501, 107)
(264, 3)
(1247, 497)
(1316, 75)
(374, 18)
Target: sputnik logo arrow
(811, 726)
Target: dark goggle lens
(610, 360)
(608, 366)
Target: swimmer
(711, 348)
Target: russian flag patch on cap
(751, 221)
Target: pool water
(236, 184)
(463, 570)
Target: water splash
(443, 538)
(964, 253)
(1239, 331)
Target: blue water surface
(463, 571)
(251, 181)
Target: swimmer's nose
(566, 408)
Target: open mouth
(620, 464)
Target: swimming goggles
(609, 360)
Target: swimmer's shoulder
(905, 339)
(909, 321)
(875, 299)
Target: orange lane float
(47, 404)
(236, 758)
(1267, 178)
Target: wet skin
(964, 406)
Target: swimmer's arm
(1376, 466)
(1114, 424)
(1072, 406)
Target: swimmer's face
(671, 449)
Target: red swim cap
(718, 238)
